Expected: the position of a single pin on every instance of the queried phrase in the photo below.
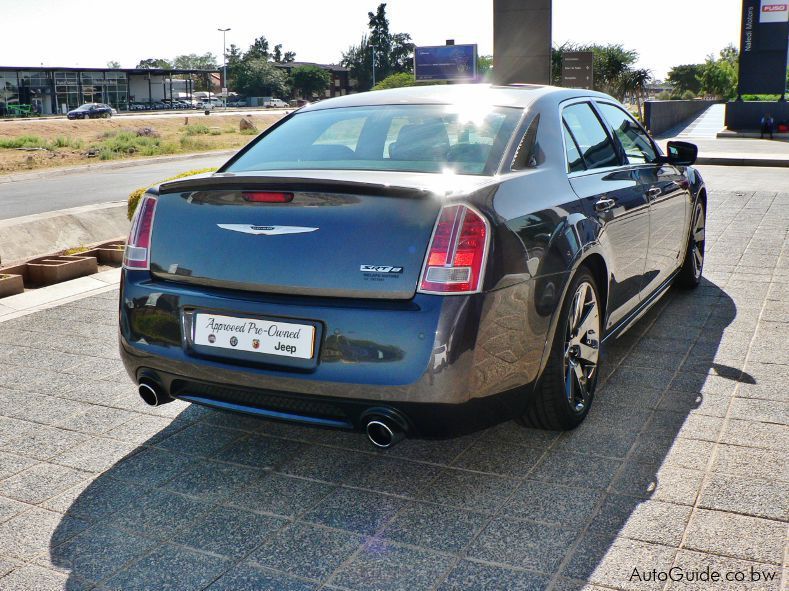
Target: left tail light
(455, 261)
(138, 246)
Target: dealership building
(58, 90)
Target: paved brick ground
(681, 462)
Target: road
(74, 189)
(101, 186)
(156, 115)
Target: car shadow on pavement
(223, 501)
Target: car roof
(516, 95)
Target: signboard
(764, 44)
(578, 69)
(446, 62)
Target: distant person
(768, 123)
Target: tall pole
(224, 61)
(373, 52)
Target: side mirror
(682, 153)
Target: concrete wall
(747, 116)
(522, 41)
(660, 116)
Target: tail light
(456, 256)
(138, 246)
(267, 197)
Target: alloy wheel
(582, 347)
(697, 241)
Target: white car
(275, 103)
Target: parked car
(275, 103)
(421, 261)
(91, 111)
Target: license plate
(268, 337)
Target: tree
(154, 64)
(396, 81)
(259, 77)
(685, 78)
(113, 65)
(634, 83)
(289, 56)
(718, 78)
(310, 80)
(484, 67)
(394, 53)
(277, 55)
(612, 65)
(193, 61)
(258, 49)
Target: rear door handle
(604, 205)
(654, 193)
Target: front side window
(638, 148)
(419, 138)
(591, 139)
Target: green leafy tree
(114, 65)
(394, 52)
(633, 83)
(484, 67)
(277, 53)
(685, 78)
(289, 56)
(154, 64)
(310, 80)
(612, 65)
(259, 77)
(258, 49)
(193, 61)
(718, 78)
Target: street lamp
(224, 60)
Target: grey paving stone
(749, 496)
(613, 394)
(95, 454)
(441, 452)
(473, 576)
(739, 536)
(145, 429)
(229, 532)
(31, 577)
(682, 453)
(754, 575)
(212, 481)
(667, 483)
(41, 482)
(600, 562)
(383, 566)
(11, 464)
(158, 514)
(702, 383)
(644, 520)
(280, 494)
(14, 429)
(469, 490)
(751, 462)
(250, 578)
(711, 404)
(557, 505)
(44, 442)
(97, 552)
(435, 527)
(260, 452)
(325, 463)
(766, 411)
(200, 439)
(751, 434)
(33, 532)
(575, 470)
(169, 568)
(596, 441)
(512, 432)
(499, 458)
(678, 424)
(94, 499)
(151, 467)
(355, 510)
(234, 420)
(522, 544)
(10, 507)
(96, 420)
(393, 476)
(307, 550)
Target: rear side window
(591, 139)
(574, 160)
(638, 148)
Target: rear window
(416, 138)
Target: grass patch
(249, 131)
(198, 129)
(75, 250)
(127, 143)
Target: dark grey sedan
(422, 261)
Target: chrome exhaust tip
(383, 433)
(152, 393)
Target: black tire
(692, 268)
(557, 404)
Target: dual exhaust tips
(383, 430)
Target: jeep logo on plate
(380, 269)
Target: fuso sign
(774, 11)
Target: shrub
(688, 95)
(23, 141)
(135, 196)
(198, 129)
(664, 96)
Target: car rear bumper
(447, 364)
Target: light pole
(373, 52)
(224, 61)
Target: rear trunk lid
(361, 235)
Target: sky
(90, 33)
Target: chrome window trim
(590, 100)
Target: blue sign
(446, 62)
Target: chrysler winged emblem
(266, 230)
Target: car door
(665, 188)
(610, 192)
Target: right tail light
(455, 260)
(138, 246)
